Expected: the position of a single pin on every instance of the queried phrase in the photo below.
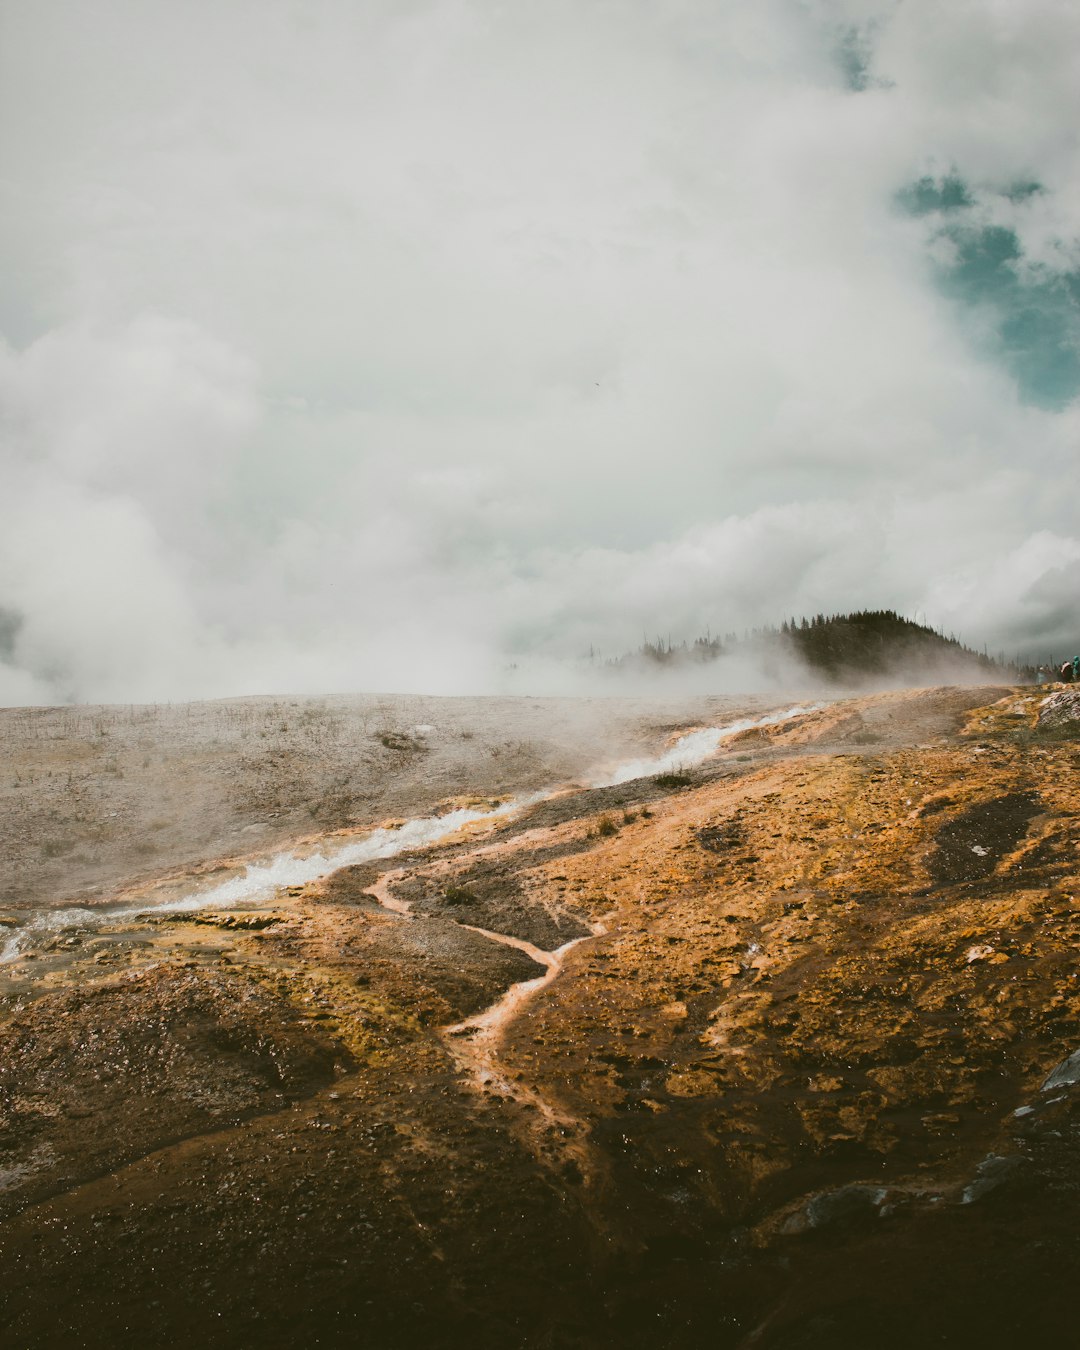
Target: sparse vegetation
(458, 895)
(670, 781)
(399, 741)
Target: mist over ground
(425, 346)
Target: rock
(852, 1203)
(1057, 708)
(994, 1171)
(1066, 1073)
(980, 952)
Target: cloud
(386, 345)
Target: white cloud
(342, 335)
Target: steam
(377, 365)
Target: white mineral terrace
(260, 880)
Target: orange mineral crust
(776, 1049)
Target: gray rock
(992, 1172)
(1066, 1073)
(849, 1202)
(1060, 707)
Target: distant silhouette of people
(1076, 669)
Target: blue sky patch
(1035, 309)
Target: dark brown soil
(972, 844)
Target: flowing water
(261, 880)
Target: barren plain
(779, 1049)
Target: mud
(777, 1055)
(972, 844)
(89, 1080)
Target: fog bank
(427, 346)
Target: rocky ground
(775, 1052)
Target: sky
(426, 345)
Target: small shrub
(458, 895)
(606, 827)
(670, 781)
(397, 740)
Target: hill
(867, 645)
(875, 642)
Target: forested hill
(837, 647)
(874, 642)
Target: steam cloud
(392, 345)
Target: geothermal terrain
(395, 1022)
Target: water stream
(260, 880)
